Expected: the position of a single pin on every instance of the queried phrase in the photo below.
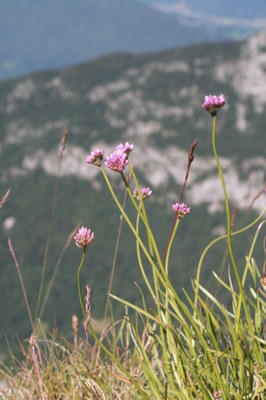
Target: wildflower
(145, 193)
(217, 394)
(125, 148)
(181, 209)
(117, 161)
(213, 103)
(33, 340)
(95, 157)
(84, 237)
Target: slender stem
(115, 257)
(160, 274)
(228, 221)
(173, 227)
(227, 209)
(51, 223)
(37, 370)
(142, 212)
(249, 257)
(171, 239)
(21, 283)
(170, 243)
(55, 271)
(216, 240)
(154, 296)
(79, 285)
(146, 252)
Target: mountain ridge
(59, 33)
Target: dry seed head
(33, 340)
(75, 324)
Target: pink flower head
(84, 237)
(217, 394)
(213, 103)
(125, 148)
(117, 161)
(145, 193)
(95, 157)
(181, 209)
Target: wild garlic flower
(217, 394)
(213, 103)
(145, 193)
(84, 237)
(125, 148)
(95, 157)
(117, 161)
(181, 209)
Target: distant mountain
(222, 8)
(235, 19)
(153, 101)
(57, 33)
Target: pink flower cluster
(145, 193)
(84, 237)
(213, 103)
(95, 157)
(117, 161)
(181, 209)
(217, 394)
(125, 148)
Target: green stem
(228, 222)
(146, 280)
(79, 286)
(144, 248)
(170, 243)
(142, 212)
(216, 240)
(248, 258)
(115, 258)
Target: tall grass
(190, 347)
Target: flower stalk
(79, 283)
(228, 225)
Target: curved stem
(248, 258)
(160, 274)
(170, 243)
(226, 202)
(169, 246)
(78, 279)
(228, 222)
(146, 280)
(142, 245)
(216, 240)
(142, 212)
(118, 237)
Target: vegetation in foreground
(194, 347)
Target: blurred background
(53, 34)
(111, 71)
